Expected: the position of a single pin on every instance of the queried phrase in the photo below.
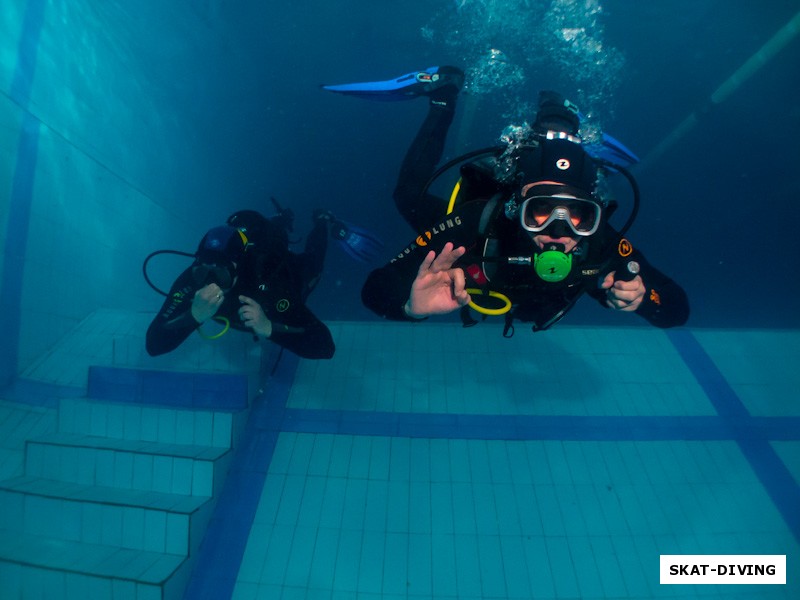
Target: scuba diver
(526, 230)
(245, 277)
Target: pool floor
(431, 461)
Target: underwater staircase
(114, 504)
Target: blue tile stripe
(719, 392)
(32, 22)
(527, 427)
(765, 462)
(21, 197)
(223, 546)
(16, 242)
(220, 391)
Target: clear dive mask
(581, 216)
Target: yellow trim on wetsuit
(216, 335)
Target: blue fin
(613, 151)
(405, 87)
(610, 149)
(360, 244)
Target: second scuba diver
(526, 231)
(244, 277)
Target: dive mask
(221, 273)
(581, 216)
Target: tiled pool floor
(429, 461)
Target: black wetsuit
(477, 219)
(280, 286)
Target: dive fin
(360, 244)
(613, 151)
(405, 87)
(610, 149)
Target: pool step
(115, 503)
(126, 464)
(42, 567)
(152, 521)
(148, 423)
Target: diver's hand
(438, 288)
(206, 302)
(623, 295)
(252, 316)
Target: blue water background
(207, 107)
(717, 207)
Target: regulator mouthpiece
(553, 264)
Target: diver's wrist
(198, 315)
(410, 313)
(265, 331)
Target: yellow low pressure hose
(218, 335)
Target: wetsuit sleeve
(174, 322)
(665, 303)
(419, 164)
(294, 326)
(304, 334)
(387, 289)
